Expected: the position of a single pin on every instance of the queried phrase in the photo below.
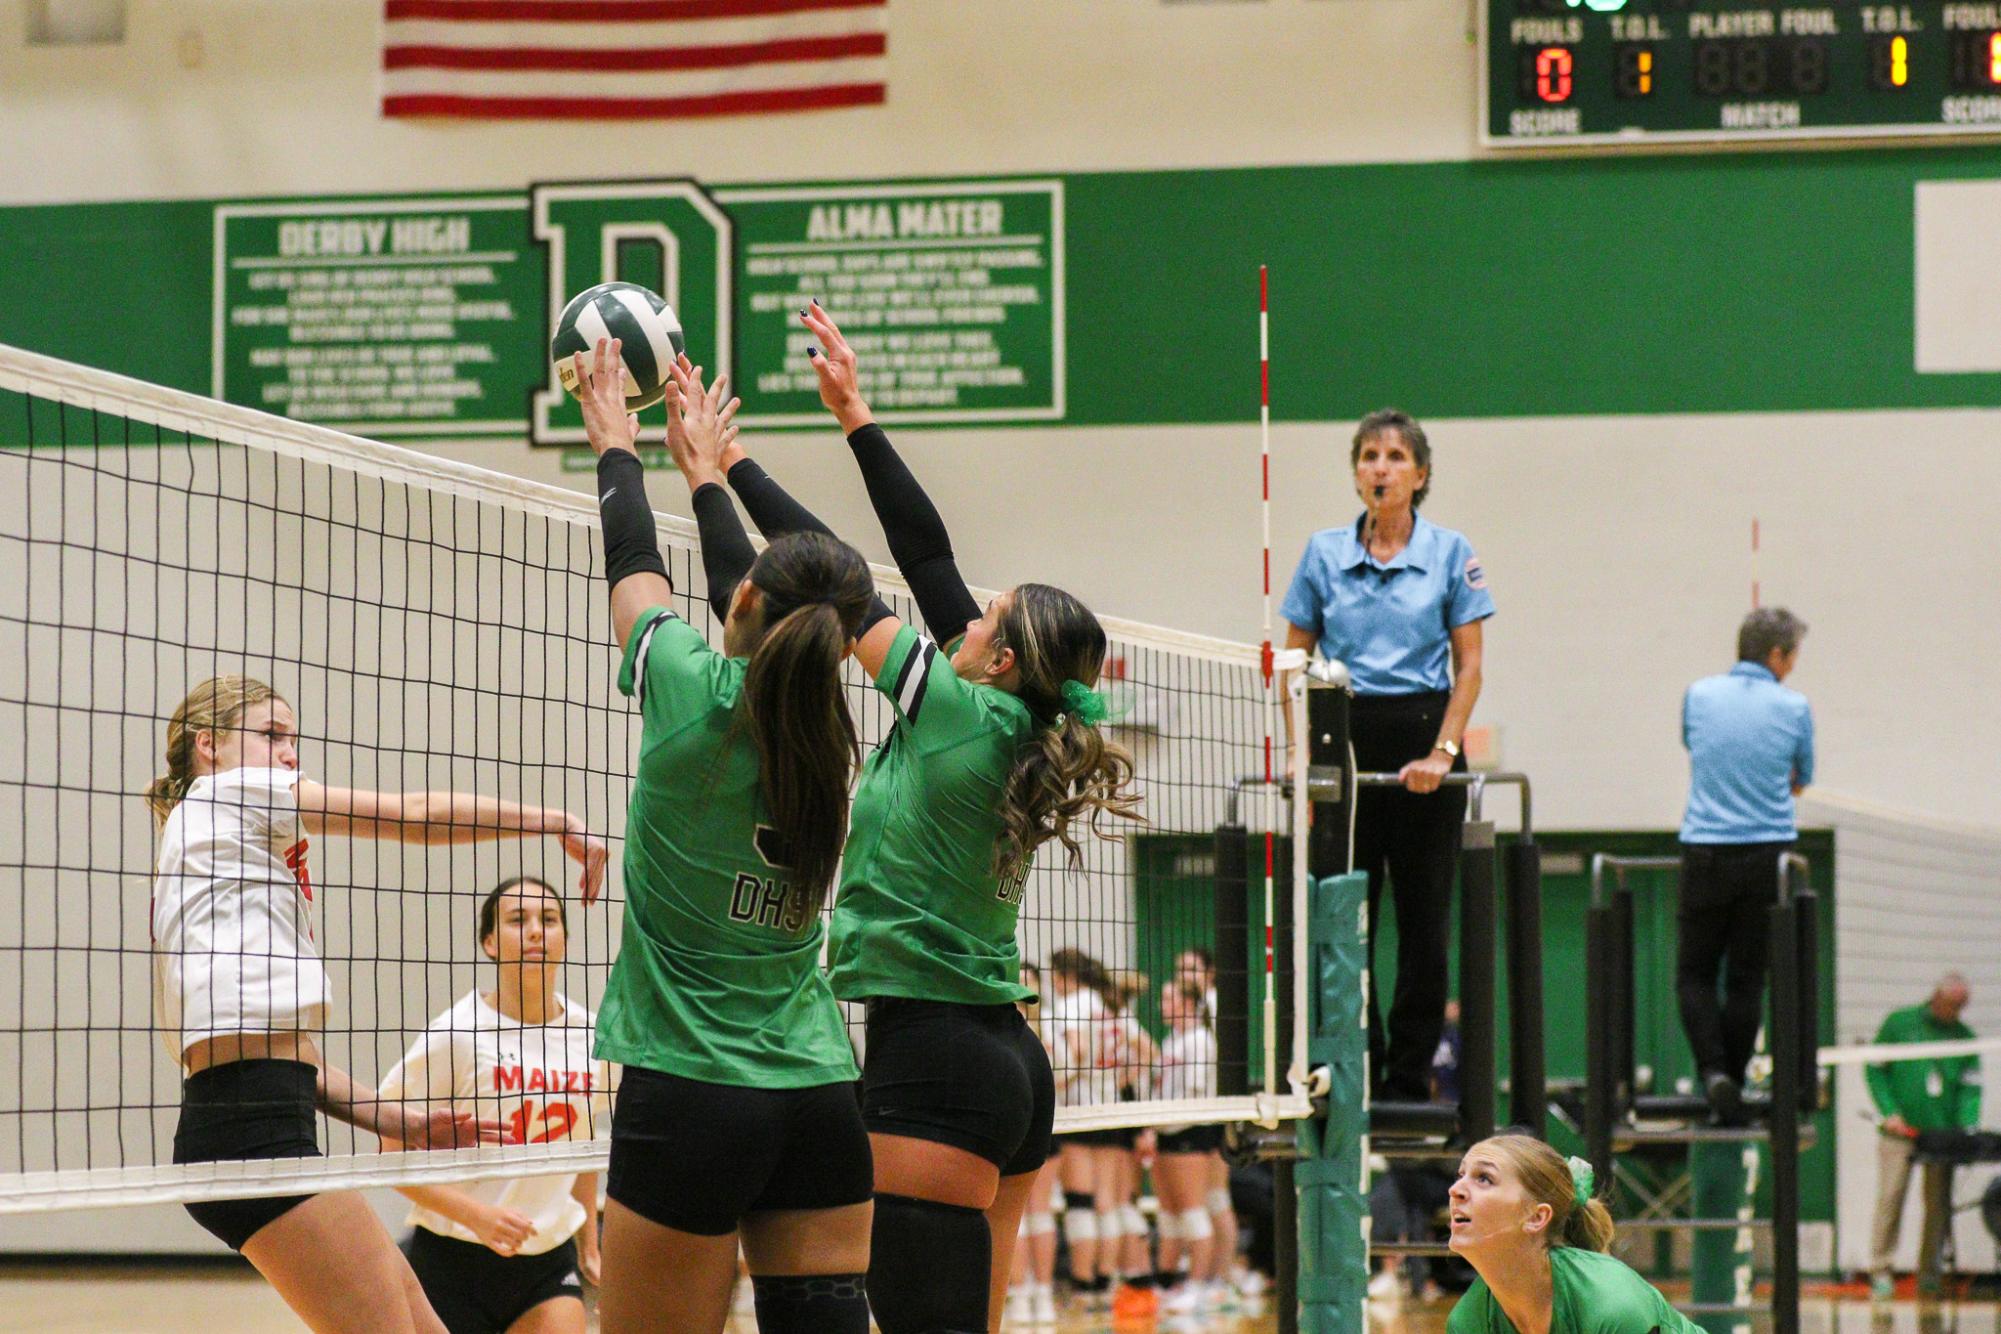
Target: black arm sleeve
(774, 511)
(631, 543)
(918, 541)
(726, 551)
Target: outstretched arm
(916, 532)
(632, 561)
(699, 429)
(359, 1105)
(448, 817)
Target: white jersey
(1076, 1025)
(232, 913)
(1188, 1063)
(540, 1082)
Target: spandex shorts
(972, 1076)
(697, 1157)
(1101, 1139)
(476, 1290)
(246, 1109)
(1195, 1139)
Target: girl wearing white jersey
(508, 1256)
(1181, 1174)
(1073, 1022)
(240, 989)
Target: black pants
(1727, 894)
(1414, 840)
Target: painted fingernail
(816, 300)
(812, 352)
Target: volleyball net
(438, 626)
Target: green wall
(1713, 283)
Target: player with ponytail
(1529, 1222)
(736, 1117)
(997, 748)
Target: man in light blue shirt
(1750, 752)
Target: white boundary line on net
(1889, 1053)
(86, 387)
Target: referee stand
(1329, 1255)
(1720, 1180)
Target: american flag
(629, 59)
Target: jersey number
(556, 1118)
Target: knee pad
(1080, 1224)
(1111, 1225)
(1195, 1225)
(929, 1266)
(1219, 1200)
(1131, 1221)
(1039, 1224)
(1170, 1227)
(811, 1303)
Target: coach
(1400, 600)
(1750, 752)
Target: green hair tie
(1085, 704)
(1582, 1180)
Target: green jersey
(922, 912)
(1592, 1294)
(1939, 1093)
(718, 976)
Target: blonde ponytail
(216, 704)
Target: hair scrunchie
(1085, 704)
(1582, 1180)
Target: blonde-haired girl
(240, 989)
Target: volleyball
(645, 325)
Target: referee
(1400, 601)
(1750, 752)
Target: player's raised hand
(700, 423)
(601, 392)
(835, 364)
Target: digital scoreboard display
(1647, 71)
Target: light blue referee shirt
(1390, 623)
(1750, 742)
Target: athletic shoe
(1184, 1300)
(1882, 1288)
(1132, 1303)
(1019, 1309)
(1386, 1286)
(1252, 1283)
(1042, 1305)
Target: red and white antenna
(1271, 685)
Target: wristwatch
(1451, 748)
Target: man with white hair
(1936, 1093)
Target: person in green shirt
(995, 749)
(1941, 1093)
(736, 1120)
(1524, 1217)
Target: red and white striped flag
(629, 59)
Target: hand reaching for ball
(834, 362)
(601, 391)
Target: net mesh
(435, 627)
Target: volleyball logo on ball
(645, 325)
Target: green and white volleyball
(646, 327)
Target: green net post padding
(1333, 1202)
(1724, 1181)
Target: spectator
(1940, 1093)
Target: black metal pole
(1528, 1076)
(1285, 1244)
(1477, 942)
(1806, 908)
(1233, 961)
(1328, 714)
(1598, 1020)
(1625, 1080)
(1785, 1122)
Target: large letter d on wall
(666, 235)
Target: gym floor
(227, 1299)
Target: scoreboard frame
(1853, 48)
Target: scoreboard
(1635, 72)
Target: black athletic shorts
(972, 1076)
(476, 1290)
(247, 1109)
(1195, 1139)
(1124, 1138)
(697, 1157)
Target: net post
(1785, 1117)
(1332, 1172)
(1625, 1079)
(1477, 929)
(1528, 1103)
(1598, 1039)
(1795, 882)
